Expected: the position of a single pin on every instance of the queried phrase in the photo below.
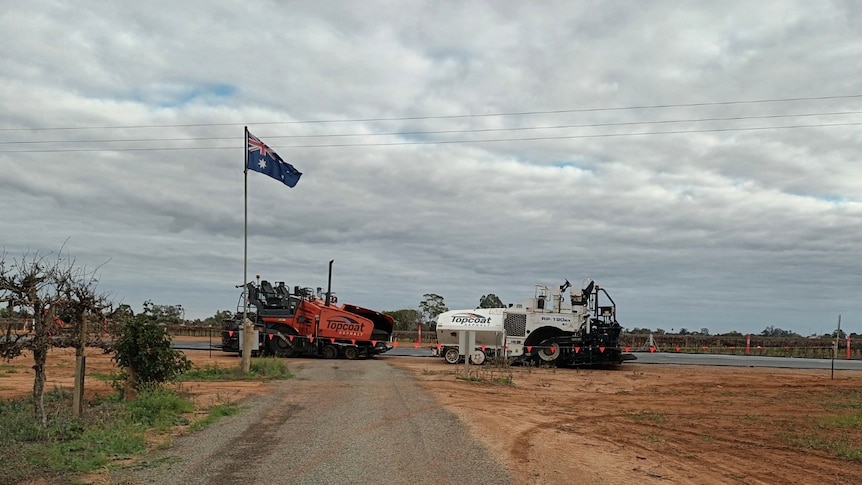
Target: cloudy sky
(700, 160)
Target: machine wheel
(351, 353)
(451, 355)
(477, 357)
(549, 352)
(280, 345)
(330, 352)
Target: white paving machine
(558, 326)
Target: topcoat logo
(470, 319)
(345, 325)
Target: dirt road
(349, 422)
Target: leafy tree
(219, 317)
(143, 350)
(7, 312)
(117, 317)
(42, 288)
(122, 312)
(406, 319)
(684, 331)
(704, 331)
(432, 306)
(164, 314)
(772, 331)
(490, 301)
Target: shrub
(143, 350)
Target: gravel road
(338, 421)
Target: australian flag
(263, 159)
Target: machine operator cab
(269, 300)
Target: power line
(446, 142)
(569, 137)
(474, 115)
(440, 132)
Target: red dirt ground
(658, 424)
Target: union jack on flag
(263, 159)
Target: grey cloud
(731, 230)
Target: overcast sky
(700, 160)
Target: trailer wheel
(477, 357)
(451, 355)
(330, 352)
(351, 353)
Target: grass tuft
(649, 416)
(159, 408)
(216, 412)
(488, 376)
(260, 368)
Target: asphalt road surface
(746, 361)
(337, 422)
(648, 358)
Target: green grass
(260, 368)
(846, 421)
(210, 373)
(8, 369)
(104, 376)
(66, 445)
(109, 428)
(157, 407)
(503, 380)
(842, 399)
(489, 376)
(269, 368)
(92, 450)
(216, 412)
(836, 444)
(839, 434)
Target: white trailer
(478, 333)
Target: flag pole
(247, 328)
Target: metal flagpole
(835, 346)
(247, 329)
